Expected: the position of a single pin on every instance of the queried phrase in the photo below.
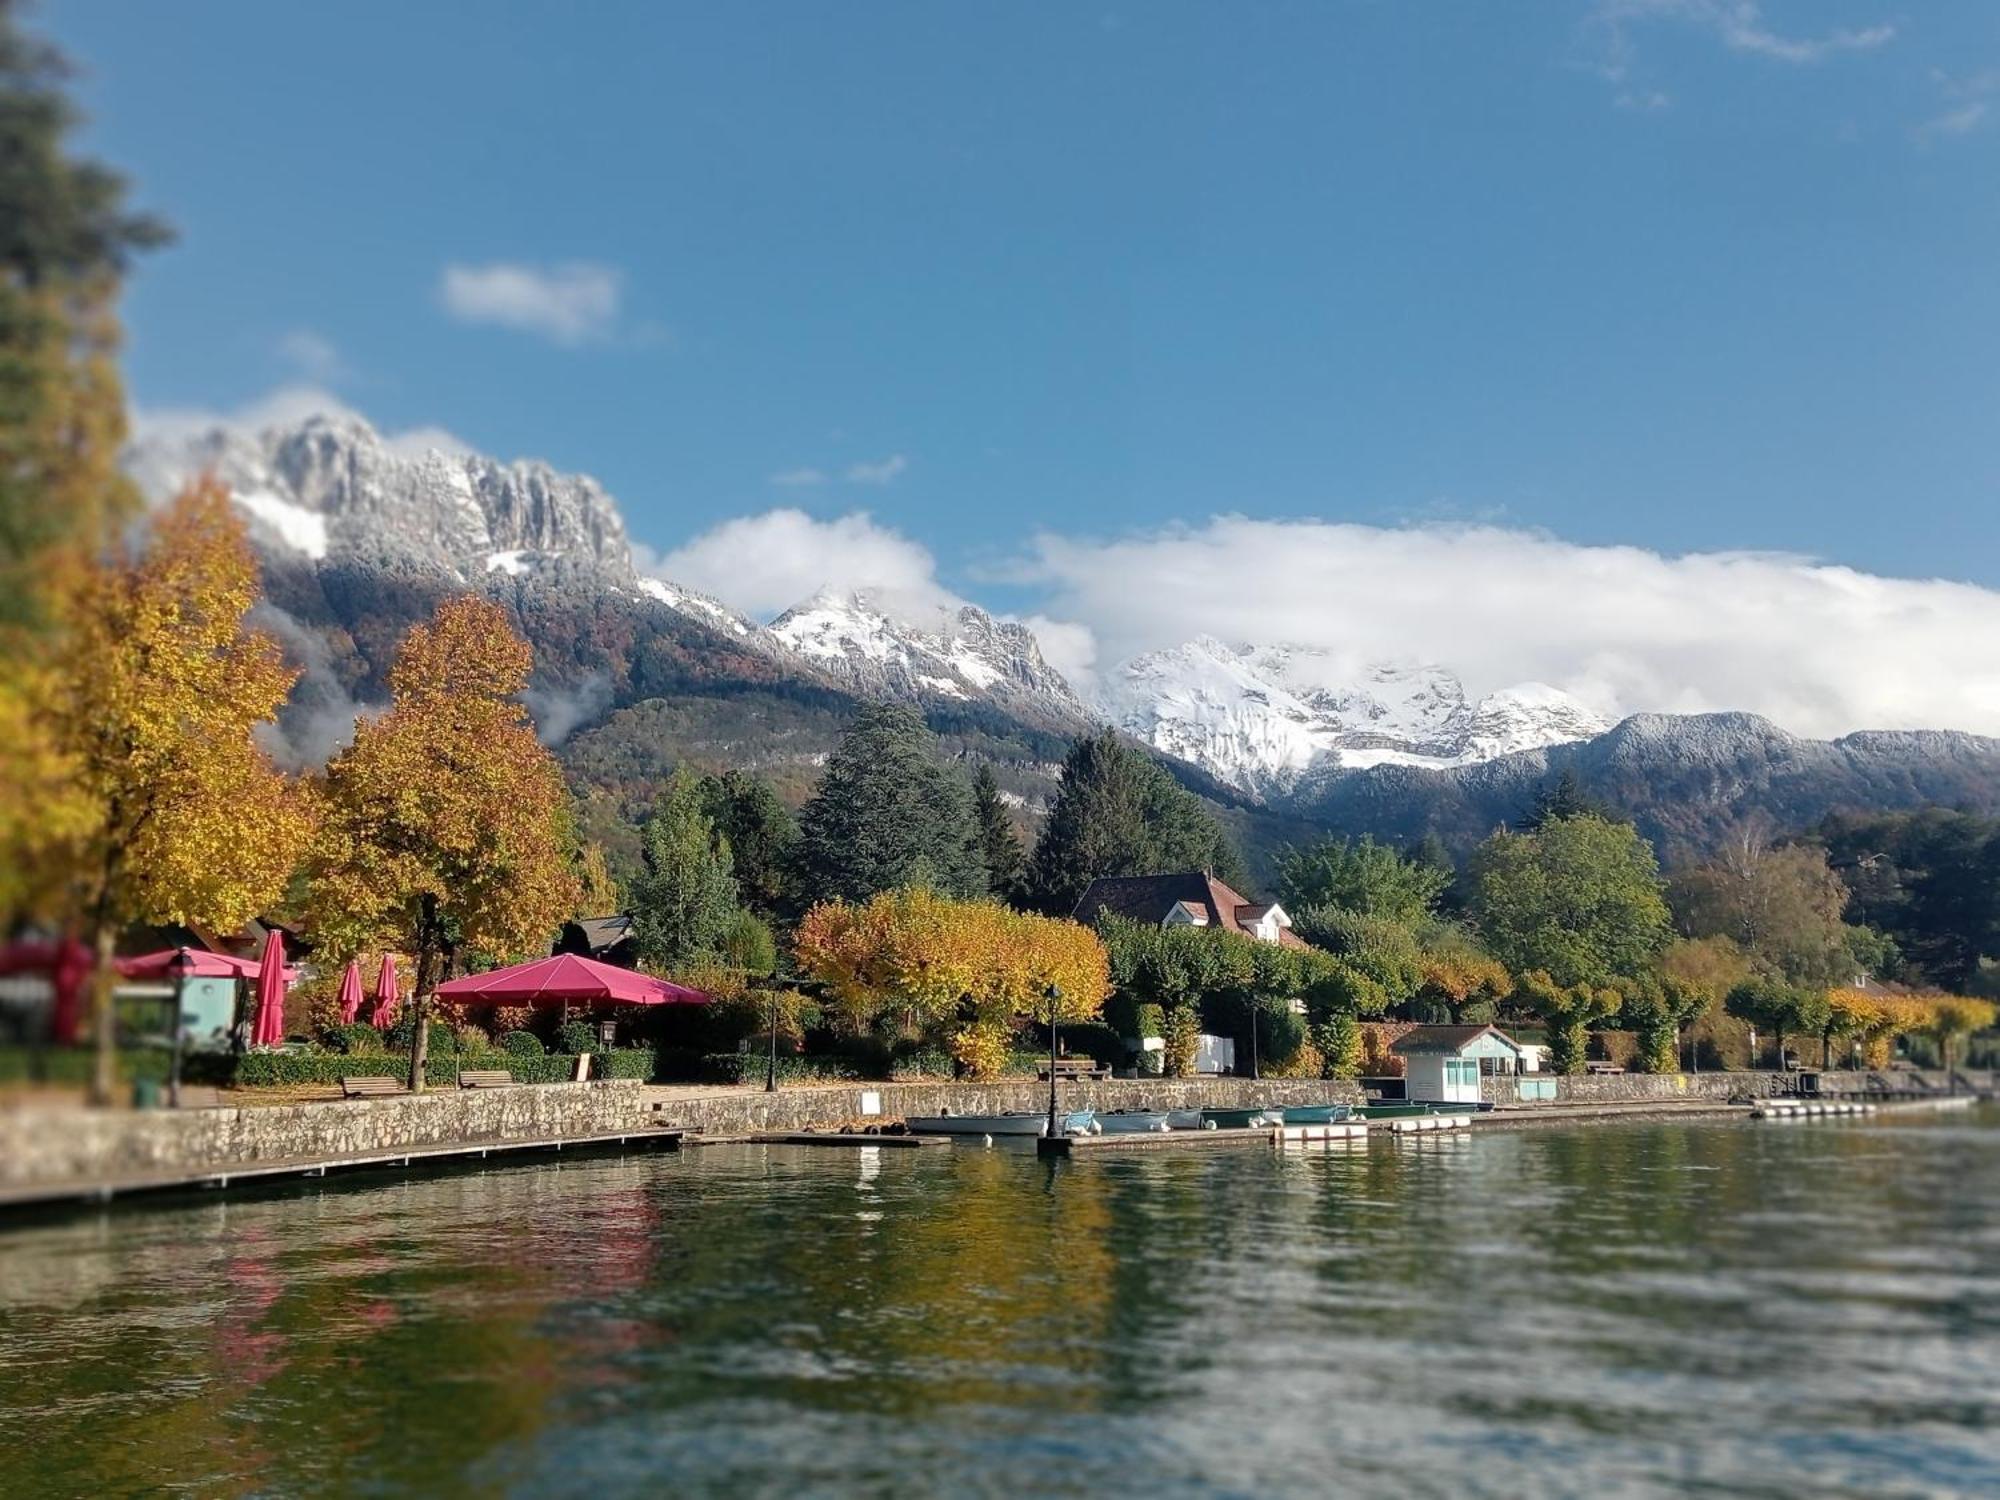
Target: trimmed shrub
(522, 1044)
(355, 1037)
(577, 1037)
(623, 1062)
(748, 1067)
(922, 1062)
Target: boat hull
(1317, 1114)
(1241, 1119)
(1133, 1121)
(1074, 1122)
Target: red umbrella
(67, 964)
(200, 964)
(386, 994)
(564, 978)
(269, 1027)
(350, 993)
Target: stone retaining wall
(795, 1109)
(78, 1145)
(64, 1145)
(1622, 1087)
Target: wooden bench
(370, 1086)
(484, 1078)
(1602, 1069)
(1075, 1067)
(200, 1096)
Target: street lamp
(771, 1060)
(1054, 996)
(182, 963)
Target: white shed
(1442, 1064)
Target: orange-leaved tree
(173, 812)
(446, 821)
(975, 964)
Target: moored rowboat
(1130, 1121)
(1317, 1114)
(1242, 1119)
(1019, 1122)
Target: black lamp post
(1054, 997)
(771, 1060)
(181, 966)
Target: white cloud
(1739, 25)
(1969, 99)
(884, 472)
(571, 304)
(765, 563)
(1821, 650)
(312, 355)
(798, 478)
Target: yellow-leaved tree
(446, 822)
(973, 964)
(170, 809)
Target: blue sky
(1689, 275)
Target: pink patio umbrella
(66, 964)
(269, 1028)
(564, 979)
(199, 964)
(350, 993)
(386, 994)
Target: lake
(1677, 1309)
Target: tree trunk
(420, 999)
(104, 1075)
(1779, 1065)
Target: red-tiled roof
(1152, 898)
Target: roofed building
(1189, 898)
(1443, 1063)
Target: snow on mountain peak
(1263, 717)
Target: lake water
(1697, 1309)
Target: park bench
(1602, 1069)
(1075, 1067)
(200, 1096)
(484, 1078)
(370, 1086)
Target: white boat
(1132, 1121)
(1186, 1119)
(1019, 1122)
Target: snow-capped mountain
(330, 486)
(1267, 719)
(923, 652)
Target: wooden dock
(57, 1194)
(823, 1138)
(1340, 1132)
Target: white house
(1190, 898)
(1442, 1064)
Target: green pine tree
(887, 813)
(760, 831)
(1120, 813)
(999, 844)
(684, 904)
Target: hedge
(266, 1069)
(749, 1067)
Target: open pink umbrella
(350, 993)
(566, 978)
(269, 1028)
(386, 994)
(191, 963)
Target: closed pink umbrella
(386, 994)
(351, 994)
(269, 1027)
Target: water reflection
(1669, 1309)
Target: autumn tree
(447, 822)
(170, 809)
(973, 968)
(1952, 1019)
(1656, 1007)
(685, 903)
(1782, 906)
(1579, 899)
